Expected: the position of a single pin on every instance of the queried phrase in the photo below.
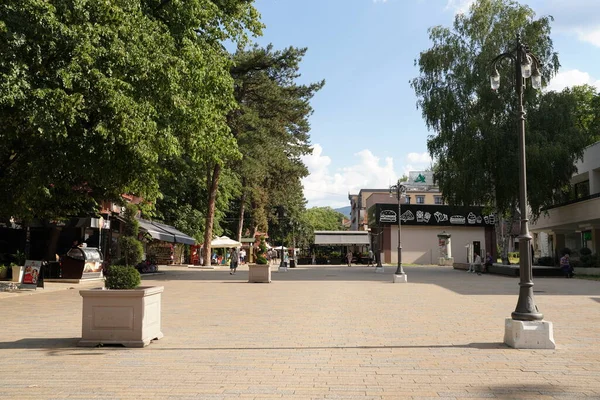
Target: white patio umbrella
(224, 242)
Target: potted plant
(261, 271)
(123, 312)
(18, 267)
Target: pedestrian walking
(234, 261)
(371, 258)
(286, 259)
(349, 258)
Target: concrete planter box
(259, 273)
(127, 317)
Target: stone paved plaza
(313, 333)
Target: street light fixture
(526, 65)
(281, 214)
(399, 191)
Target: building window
(420, 199)
(406, 199)
(438, 200)
(582, 189)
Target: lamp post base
(380, 269)
(400, 278)
(529, 334)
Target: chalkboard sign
(32, 275)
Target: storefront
(167, 245)
(421, 225)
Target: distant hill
(344, 210)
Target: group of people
(478, 266)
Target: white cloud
(459, 6)
(380, 1)
(590, 35)
(570, 78)
(324, 187)
(420, 158)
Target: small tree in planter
(261, 271)
(125, 314)
(261, 257)
(131, 248)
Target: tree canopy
(93, 95)
(271, 129)
(474, 136)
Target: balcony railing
(566, 203)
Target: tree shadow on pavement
(57, 344)
(530, 391)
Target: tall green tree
(95, 95)
(271, 129)
(474, 136)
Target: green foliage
(262, 250)
(324, 219)
(94, 96)
(3, 270)
(564, 251)
(475, 138)
(122, 277)
(132, 250)
(546, 261)
(271, 128)
(584, 251)
(20, 258)
(132, 226)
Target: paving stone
(322, 332)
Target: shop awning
(343, 238)
(166, 233)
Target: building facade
(574, 223)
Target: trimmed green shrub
(262, 250)
(584, 251)
(546, 261)
(3, 271)
(122, 277)
(132, 250)
(589, 261)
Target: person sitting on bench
(476, 265)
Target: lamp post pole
(526, 312)
(399, 190)
(281, 214)
(526, 64)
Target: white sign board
(420, 178)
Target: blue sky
(366, 130)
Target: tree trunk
(210, 214)
(242, 210)
(503, 227)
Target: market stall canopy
(164, 232)
(224, 242)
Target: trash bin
(292, 263)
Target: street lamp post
(399, 190)
(526, 328)
(281, 215)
